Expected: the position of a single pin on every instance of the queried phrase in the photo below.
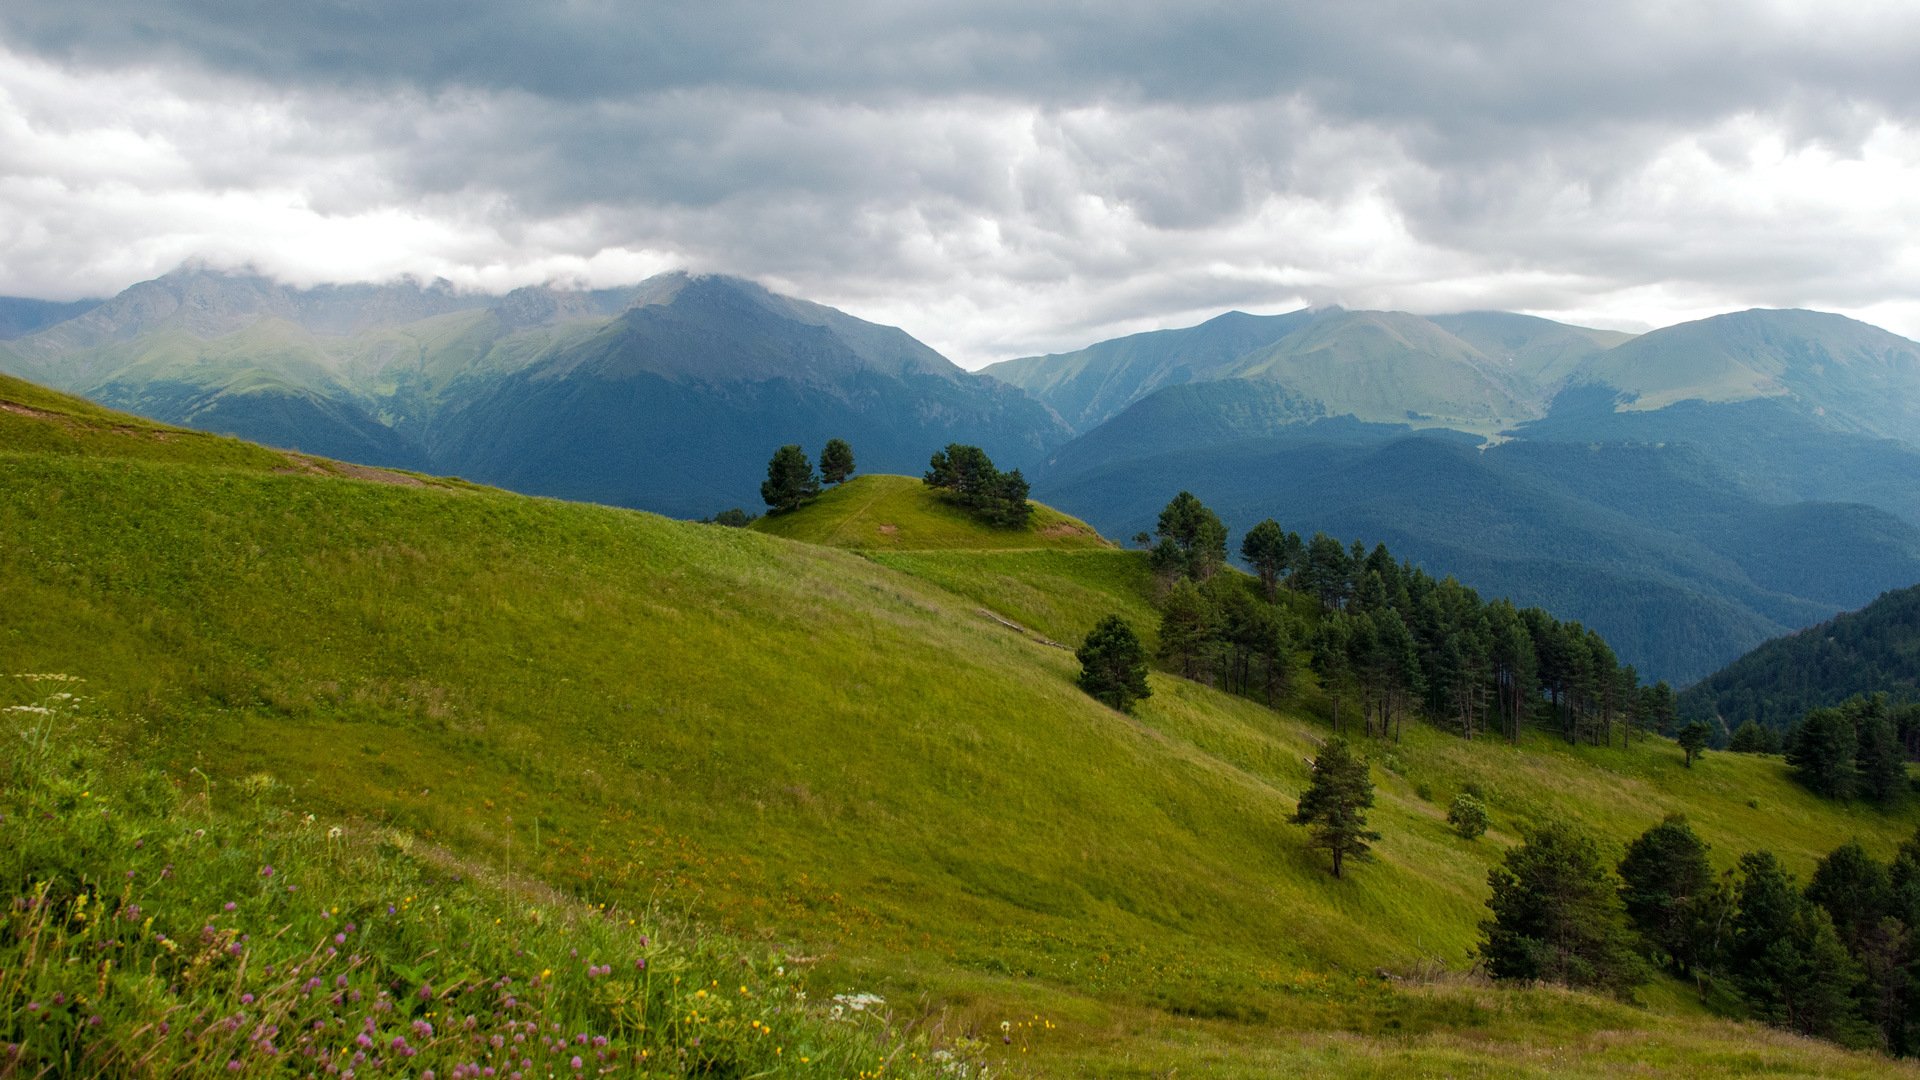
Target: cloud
(998, 178)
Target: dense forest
(1873, 650)
(1384, 637)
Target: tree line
(1386, 639)
(1834, 959)
(1857, 749)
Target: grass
(900, 513)
(836, 753)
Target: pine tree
(1666, 886)
(1879, 759)
(1822, 753)
(1113, 665)
(790, 480)
(836, 461)
(1188, 629)
(1556, 915)
(1854, 888)
(1693, 740)
(1198, 532)
(1265, 549)
(1335, 803)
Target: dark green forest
(1873, 650)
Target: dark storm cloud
(1008, 175)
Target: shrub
(1468, 816)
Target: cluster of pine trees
(790, 476)
(1834, 960)
(1389, 639)
(1858, 749)
(968, 474)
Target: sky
(999, 177)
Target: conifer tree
(836, 461)
(1693, 740)
(1879, 759)
(1335, 803)
(1113, 664)
(1188, 629)
(1556, 915)
(1822, 753)
(1265, 549)
(790, 480)
(1667, 889)
(1198, 532)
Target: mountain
(669, 395)
(20, 316)
(1089, 386)
(1870, 651)
(1690, 492)
(535, 724)
(1850, 376)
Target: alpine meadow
(839, 765)
(961, 541)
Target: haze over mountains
(1689, 492)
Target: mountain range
(1690, 492)
(667, 396)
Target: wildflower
(230, 905)
(234, 1065)
(426, 992)
(266, 871)
(576, 1062)
(246, 999)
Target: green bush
(1468, 816)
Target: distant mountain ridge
(1689, 492)
(668, 395)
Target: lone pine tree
(790, 480)
(1113, 664)
(1335, 803)
(836, 461)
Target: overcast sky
(999, 177)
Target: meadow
(840, 755)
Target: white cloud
(997, 179)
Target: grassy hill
(900, 513)
(843, 754)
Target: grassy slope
(794, 740)
(900, 513)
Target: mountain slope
(1854, 377)
(1391, 367)
(1095, 383)
(677, 404)
(20, 316)
(1647, 544)
(839, 759)
(1541, 351)
(1873, 650)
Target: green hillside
(843, 755)
(878, 512)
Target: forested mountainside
(1873, 650)
(494, 732)
(659, 396)
(1684, 527)
(1651, 545)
